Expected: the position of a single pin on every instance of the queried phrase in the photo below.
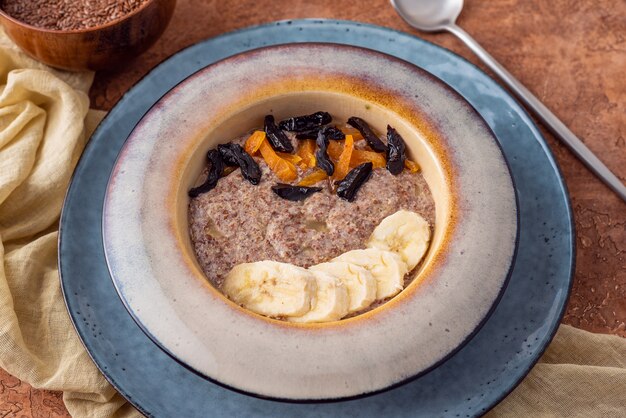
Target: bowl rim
(106, 25)
(469, 336)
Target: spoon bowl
(429, 15)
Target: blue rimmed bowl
(156, 274)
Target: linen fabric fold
(44, 122)
(581, 375)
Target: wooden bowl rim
(75, 31)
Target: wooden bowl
(101, 47)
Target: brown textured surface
(571, 54)
(19, 400)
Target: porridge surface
(238, 222)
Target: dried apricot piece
(412, 166)
(284, 169)
(253, 143)
(349, 130)
(343, 165)
(362, 156)
(334, 150)
(313, 178)
(294, 159)
(306, 151)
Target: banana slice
(359, 282)
(405, 233)
(387, 268)
(271, 288)
(331, 301)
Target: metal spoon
(441, 15)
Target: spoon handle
(544, 114)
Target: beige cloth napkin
(44, 122)
(580, 375)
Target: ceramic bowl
(153, 265)
(106, 46)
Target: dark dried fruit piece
(306, 122)
(294, 193)
(234, 155)
(351, 184)
(307, 135)
(396, 151)
(216, 167)
(321, 155)
(331, 133)
(228, 153)
(335, 134)
(372, 140)
(277, 138)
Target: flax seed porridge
(283, 216)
